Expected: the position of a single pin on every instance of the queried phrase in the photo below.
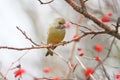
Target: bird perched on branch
(56, 33)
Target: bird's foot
(50, 45)
(64, 42)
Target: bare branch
(93, 18)
(105, 72)
(84, 67)
(2, 76)
(53, 45)
(117, 24)
(82, 26)
(24, 33)
(109, 51)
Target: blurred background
(34, 18)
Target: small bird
(56, 33)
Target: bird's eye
(60, 23)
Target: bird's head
(59, 23)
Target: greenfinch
(56, 33)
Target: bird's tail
(49, 52)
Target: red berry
(19, 72)
(46, 69)
(81, 54)
(56, 78)
(98, 47)
(75, 36)
(72, 64)
(117, 76)
(105, 19)
(79, 49)
(88, 71)
(67, 24)
(109, 13)
(97, 58)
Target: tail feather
(49, 53)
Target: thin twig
(64, 59)
(109, 51)
(84, 67)
(14, 63)
(108, 54)
(3, 76)
(117, 47)
(118, 24)
(72, 52)
(24, 33)
(82, 26)
(105, 72)
(59, 56)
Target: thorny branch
(71, 54)
(108, 53)
(117, 24)
(49, 45)
(101, 62)
(93, 18)
(81, 9)
(2, 76)
(84, 67)
(24, 33)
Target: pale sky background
(33, 18)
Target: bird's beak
(63, 26)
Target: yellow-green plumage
(56, 33)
